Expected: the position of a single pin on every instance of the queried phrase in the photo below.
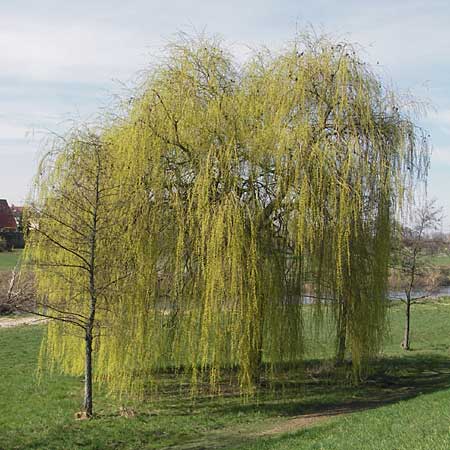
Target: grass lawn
(405, 404)
(441, 260)
(8, 260)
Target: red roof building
(17, 213)
(7, 220)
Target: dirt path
(14, 321)
(246, 434)
(296, 423)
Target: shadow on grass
(393, 379)
(304, 403)
(228, 423)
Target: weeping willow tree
(248, 188)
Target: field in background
(8, 260)
(404, 404)
(441, 260)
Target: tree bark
(88, 376)
(93, 297)
(340, 354)
(256, 358)
(341, 333)
(406, 335)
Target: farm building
(7, 219)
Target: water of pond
(442, 291)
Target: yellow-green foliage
(240, 190)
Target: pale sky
(65, 61)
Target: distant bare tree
(411, 259)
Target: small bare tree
(69, 246)
(411, 260)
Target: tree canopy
(240, 189)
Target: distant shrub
(3, 244)
(27, 294)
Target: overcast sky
(62, 61)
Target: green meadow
(403, 404)
(8, 260)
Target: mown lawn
(442, 260)
(8, 260)
(405, 404)
(416, 388)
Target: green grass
(8, 260)
(410, 407)
(404, 404)
(441, 260)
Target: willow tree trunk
(87, 406)
(341, 333)
(406, 335)
(340, 354)
(257, 361)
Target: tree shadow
(292, 404)
(392, 379)
(301, 404)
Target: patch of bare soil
(295, 423)
(237, 436)
(14, 321)
(305, 420)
